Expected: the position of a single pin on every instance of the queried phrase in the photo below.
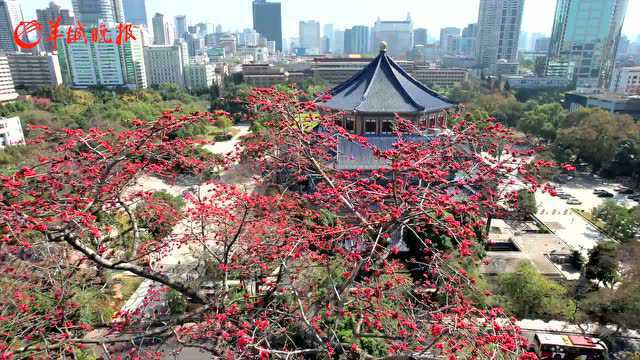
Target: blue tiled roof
(383, 87)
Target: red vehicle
(565, 347)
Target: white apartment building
(397, 34)
(536, 82)
(93, 64)
(499, 23)
(200, 76)
(255, 54)
(165, 64)
(437, 77)
(33, 71)
(10, 132)
(309, 32)
(7, 89)
(108, 59)
(626, 81)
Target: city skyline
(538, 15)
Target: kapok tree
(363, 264)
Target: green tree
(595, 136)
(170, 91)
(626, 161)
(509, 111)
(619, 306)
(620, 223)
(528, 294)
(603, 264)
(462, 93)
(541, 96)
(543, 121)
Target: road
(573, 229)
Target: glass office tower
(587, 33)
(267, 20)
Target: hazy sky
(431, 14)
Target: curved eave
(390, 86)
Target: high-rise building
(448, 39)
(93, 12)
(10, 17)
(267, 20)
(626, 81)
(338, 41)
(202, 28)
(533, 38)
(470, 31)
(228, 42)
(499, 24)
(420, 36)
(329, 35)
(309, 32)
(165, 64)
(397, 34)
(7, 88)
(542, 44)
(163, 33)
(200, 76)
(181, 26)
(356, 40)
(587, 33)
(195, 44)
(467, 43)
(248, 37)
(133, 60)
(93, 63)
(52, 13)
(34, 71)
(563, 69)
(135, 11)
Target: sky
(431, 14)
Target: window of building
(370, 127)
(386, 126)
(432, 121)
(350, 125)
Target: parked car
(624, 190)
(574, 202)
(605, 194)
(634, 197)
(599, 191)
